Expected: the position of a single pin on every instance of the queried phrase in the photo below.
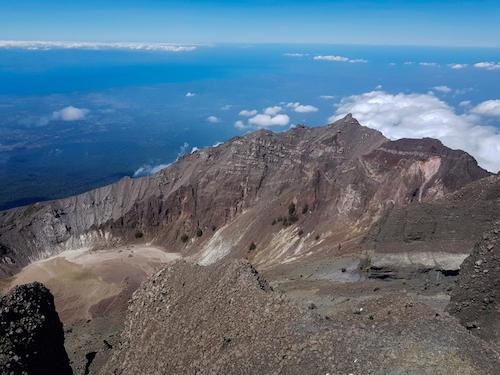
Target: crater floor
(91, 289)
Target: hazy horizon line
(6, 43)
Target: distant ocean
(72, 120)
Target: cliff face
(452, 224)
(289, 194)
(31, 334)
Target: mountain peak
(348, 119)
(344, 170)
(339, 202)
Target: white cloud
(490, 108)
(248, 113)
(213, 119)
(292, 54)
(70, 114)
(148, 170)
(49, 45)
(273, 111)
(443, 89)
(457, 66)
(332, 58)
(306, 108)
(464, 103)
(270, 116)
(190, 94)
(301, 108)
(226, 107)
(423, 115)
(336, 58)
(488, 65)
(358, 61)
(267, 120)
(183, 149)
(327, 97)
(429, 64)
(240, 125)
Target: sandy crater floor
(108, 277)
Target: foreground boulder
(31, 334)
(476, 298)
(225, 319)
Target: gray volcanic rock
(436, 234)
(31, 334)
(340, 179)
(475, 300)
(453, 223)
(224, 319)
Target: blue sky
(395, 22)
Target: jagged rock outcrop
(224, 319)
(475, 300)
(31, 334)
(335, 181)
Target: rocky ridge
(475, 300)
(31, 334)
(279, 191)
(373, 231)
(225, 319)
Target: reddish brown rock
(341, 179)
